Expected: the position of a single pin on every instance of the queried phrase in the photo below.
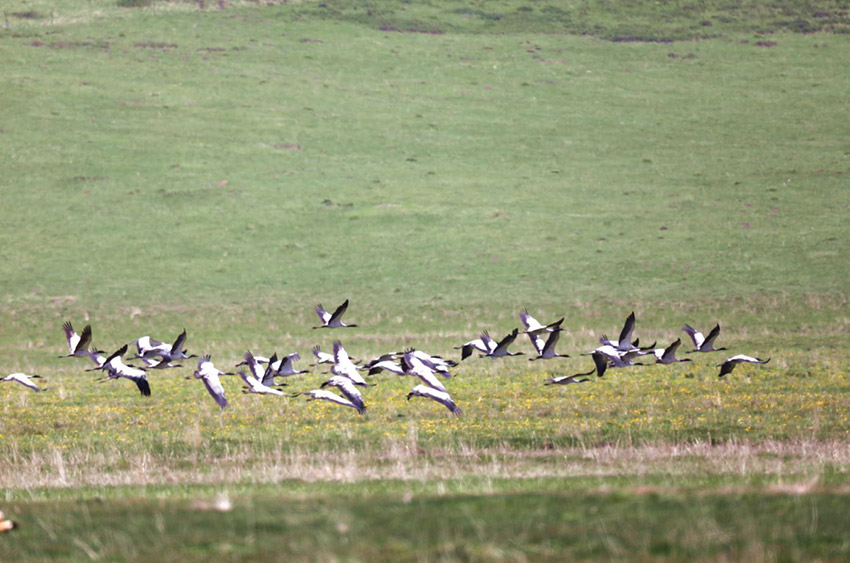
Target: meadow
(224, 167)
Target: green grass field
(225, 166)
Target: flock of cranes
(260, 373)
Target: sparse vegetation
(134, 3)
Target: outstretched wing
(71, 337)
(507, 340)
(85, 341)
(268, 375)
(696, 336)
(628, 328)
(340, 311)
(536, 341)
(488, 341)
(549, 347)
(670, 351)
(177, 347)
(205, 359)
(712, 336)
(213, 385)
(527, 320)
(727, 367)
(142, 384)
(340, 355)
(324, 316)
(601, 362)
(117, 354)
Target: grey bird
(441, 397)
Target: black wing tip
(116, 354)
(465, 352)
(144, 387)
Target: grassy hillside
(242, 156)
(619, 21)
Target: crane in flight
(333, 320)
(441, 397)
(23, 379)
(78, 344)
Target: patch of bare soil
(28, 15)
(155, 45)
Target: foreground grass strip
(740, 526)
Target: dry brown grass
(787, 466)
